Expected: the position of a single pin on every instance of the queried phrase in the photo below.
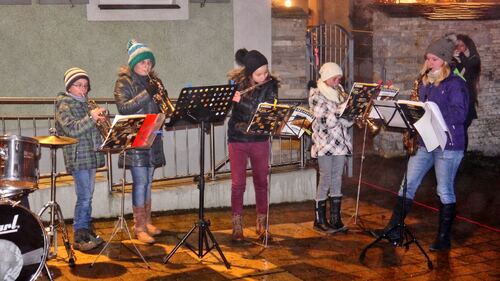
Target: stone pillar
(289, 27)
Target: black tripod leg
(205, 239)
(363, 253)
(183, 240)
(414, 240)
(216, 245)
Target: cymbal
(55, 140)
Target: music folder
(136, 131)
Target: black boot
(335, 217)
(446, 216)
(320, 223)
(394, 236)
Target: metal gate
(330, 43)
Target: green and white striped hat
(138, 52)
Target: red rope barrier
(374, 186)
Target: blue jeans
(142, 178)
(84, 188)
(445, 165)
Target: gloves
(152, 89)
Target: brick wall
(289, 28)
(398, 49)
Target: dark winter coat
(242, 112)
(132, 98)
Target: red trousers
(258, 152)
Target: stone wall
(289, 28)
(398, 49)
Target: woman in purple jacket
(450, 93)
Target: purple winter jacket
(452, 98)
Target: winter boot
(140, 226)
(394, 235)
(261, 227)
(83, 241)
(150, 228)
(446, 216)
(320, 223)
(237, 235)
(335, 217)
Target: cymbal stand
(56, 214)
(121, 223)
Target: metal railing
(181, 143)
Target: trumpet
(161, 98)
(102, 125)
(372, 126)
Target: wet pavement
(297, 252)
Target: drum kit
(24, 240)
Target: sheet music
(268, 119)
(299, 122)
(385, 94)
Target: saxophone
(161, 98)
(102, 125)
(410, 141)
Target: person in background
(468, 63)
(244, 146)
(134, 94)
(450, 92)
(74, 119)
(331, 144)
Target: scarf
(78, 98)
(330, 93)
(433, 75)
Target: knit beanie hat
(251, 60)
(442, 48)
(138, 52)
(73, 74)
(330, 69)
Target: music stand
(202, 105)
(129, 132)
(271, 119)
(381, 93)
(393, 116)
(357, 107)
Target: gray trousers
(331, 169)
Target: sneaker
(83, 241)
(97, 239)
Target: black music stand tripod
(406, 236)
(202, 105)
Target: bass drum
(23, 243)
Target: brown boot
(152, 230)
(140, 226)
(237, 235)
(261, 226)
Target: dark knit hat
(251, 60)
(73, 74)
(442, 48)
(138, 52)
